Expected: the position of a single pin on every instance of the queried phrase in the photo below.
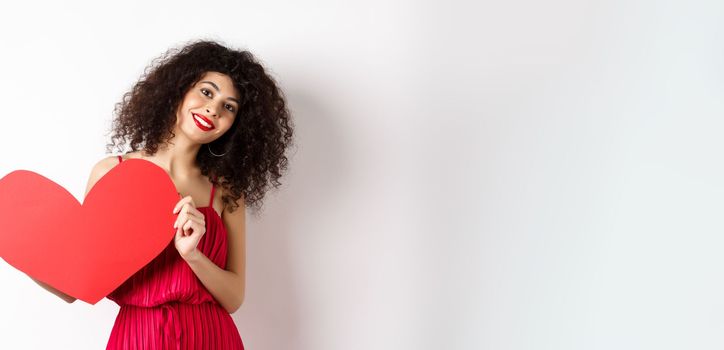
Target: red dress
(165, 306)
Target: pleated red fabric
(165, 306)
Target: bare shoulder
(100, 168)
(238, 208)
(220, 194)
(226, 208)
(105, 165)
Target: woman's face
(208, 109)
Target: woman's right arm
(99, 169)
(66, 297)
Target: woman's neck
(178, 159)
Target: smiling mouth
(203, 122)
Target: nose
(208, 111)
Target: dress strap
(120, 159)
(211, 201)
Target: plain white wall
(471, 175)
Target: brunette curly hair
(256, 141)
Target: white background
(469, 175)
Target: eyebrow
(219, 90)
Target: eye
(231, 109)
(204, 91)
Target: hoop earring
(214, 154)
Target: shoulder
(226, 207)
(100, 168)
(104, 165)
(220, 194)
(107, 163)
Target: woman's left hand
(190, 226)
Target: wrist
(193, 256)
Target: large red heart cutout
(87, 250)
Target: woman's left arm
(227, 286)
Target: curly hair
(256, 141)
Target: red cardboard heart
(87, 250)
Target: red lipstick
(196, 118)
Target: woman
(218, 124)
